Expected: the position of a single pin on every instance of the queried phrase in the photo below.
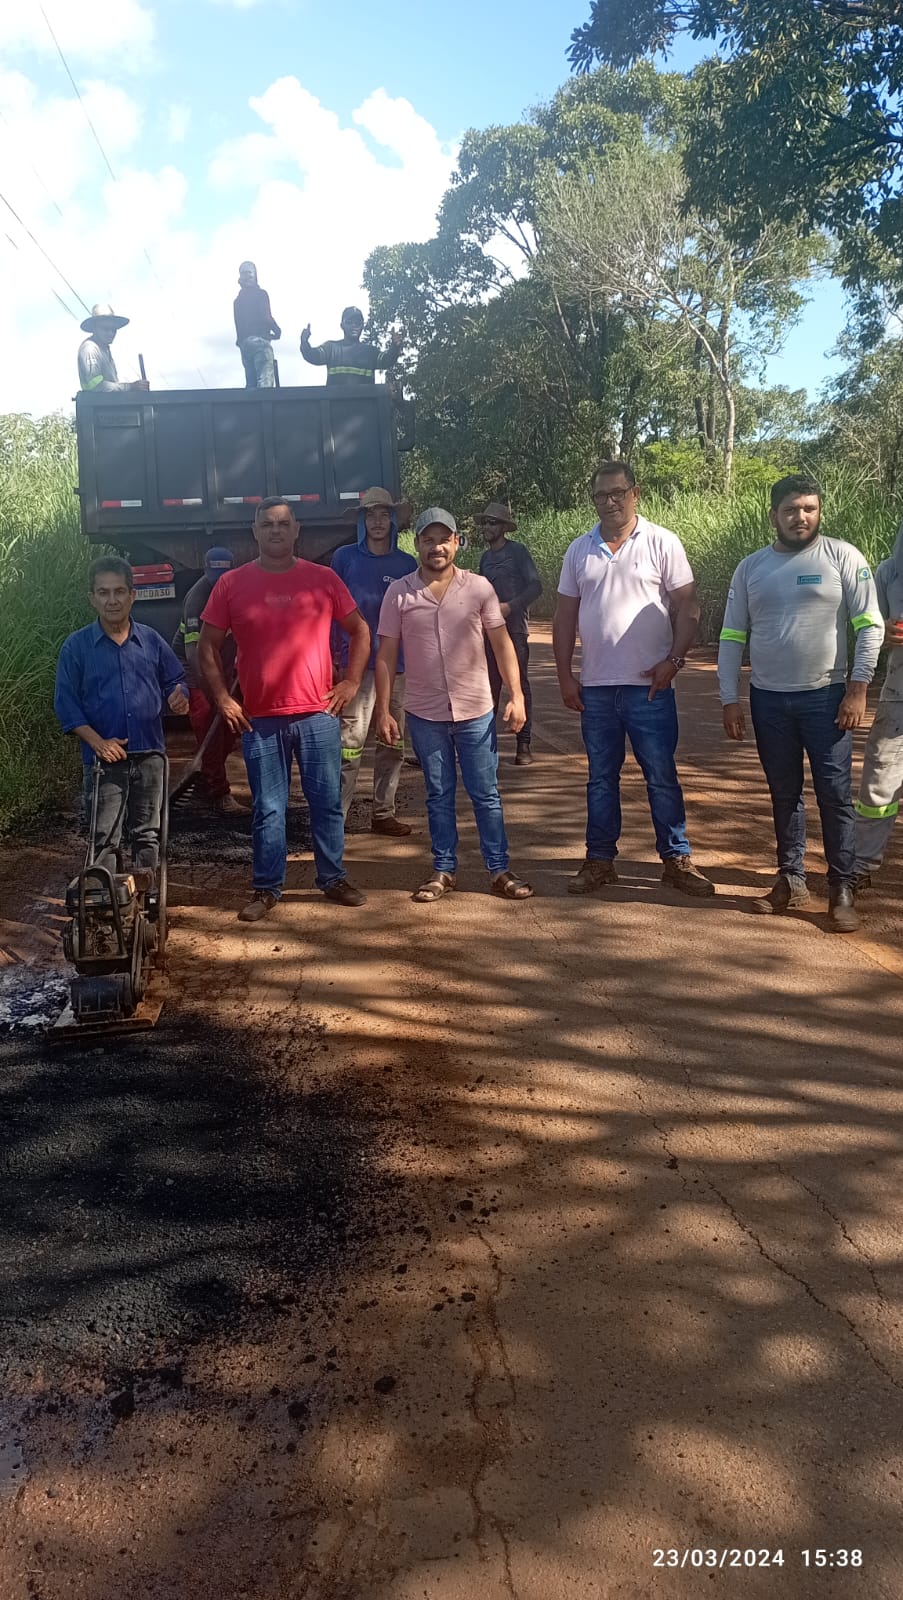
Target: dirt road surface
(472, 1251)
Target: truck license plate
(159, 591)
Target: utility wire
(107, 163)
(39, 246)
(5, 120)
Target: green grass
(43, 560)
(717, 531)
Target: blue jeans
(785, 726)
(474, 743)
(611, 714)
(257, 360)
(315, 741)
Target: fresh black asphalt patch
(172, 1186)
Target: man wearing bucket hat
(96, 367)
(255, 326)
(367, 568)
(351, 359)
(441, 615)
(509, 567)
(201, 711)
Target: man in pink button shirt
(441, 616)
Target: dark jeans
(436, 744)
(522, 651)
(315, 742)
(129, 805)
(785, 726)
(611, 715)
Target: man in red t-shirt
(279, 611)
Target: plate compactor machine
(115, 936)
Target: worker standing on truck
(366, 568)
(351, 359)
(96, 367)
(201, 710)
(113, 680)
(255, 326)
(509, 567)
(280, 612)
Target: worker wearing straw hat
(96, 367)
(509, 567)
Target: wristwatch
(678, 661)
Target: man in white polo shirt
(627, 588)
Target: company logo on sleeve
(863, 575)
(809, 577)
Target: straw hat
(103, 314)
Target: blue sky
(286, 130)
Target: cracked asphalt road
(624, 1275)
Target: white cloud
(85, 29)
(305, 196)
(178, 121)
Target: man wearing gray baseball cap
(441, 615)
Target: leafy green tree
(799, 119)
(866, 412)
(621, 231)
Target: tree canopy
(798, 116)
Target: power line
(4, 119)
(107, 163)
(39, 246)
(77, 92)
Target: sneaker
(524, 756)
(842, 914)
(787, 894)
(226, 805)
(680, 873)
(345, 894)
(259, 904)
(862, 880)
(593, 876)
(393, 827)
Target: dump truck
(164, 475)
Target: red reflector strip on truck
(305, 499)
(242, 499)
(121, 505)
(183, 502)
(161, 572)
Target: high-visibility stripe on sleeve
(350, 372)
(93, 383)
(733, 633)
(878, 811)
(865, 620)
(190, 638)
(352, 755)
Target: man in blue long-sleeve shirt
(509, 567)
(112, 681)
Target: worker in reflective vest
(96, 367)
(351, 359)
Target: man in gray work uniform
(881, 783)
(792, 602)
(96, 367)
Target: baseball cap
(219, 559)
(435, 514)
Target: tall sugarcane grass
(43, 560)
(718, 530)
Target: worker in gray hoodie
(881, 783)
